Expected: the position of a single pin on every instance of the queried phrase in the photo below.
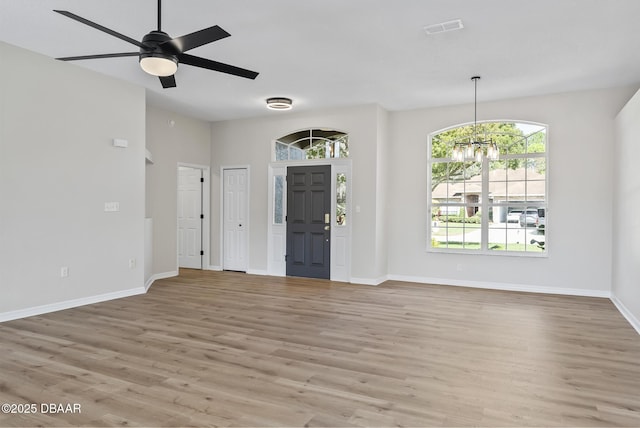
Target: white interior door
(189, 217)
(235, 223)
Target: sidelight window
(278, 199)
(341, 199)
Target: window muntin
(460, 193)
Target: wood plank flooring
(230, 349)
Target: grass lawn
(456, 245)
(467, 236)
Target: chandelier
(474, 148)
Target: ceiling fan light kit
(158, 64)
(279, 103)
(159, 54)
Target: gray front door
(308, 221)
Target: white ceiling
(328, 53)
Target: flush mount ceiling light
(279, 103)
(475, 148)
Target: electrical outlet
(132, 263)
(64, 271)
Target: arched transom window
(312, 144)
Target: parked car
(513, 216)
(529, 218)
(542, 215)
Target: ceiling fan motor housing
(154, 46)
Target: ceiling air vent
(444, 26)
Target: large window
(488, 205)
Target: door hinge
(285, 257)
(201, 215)
(201, 179)
(201, 252)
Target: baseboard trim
(158, 276)
(68, 304)
(503, 286)
(369, 281)
(248, 271)
(635, 322)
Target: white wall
(626, 219)
(580, 173)
(248, 142)
(383, 209)
(171, 138)
(57, 169)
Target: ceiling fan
(159, 54)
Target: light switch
(111, 206)
(119, 142)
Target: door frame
(340, 237)
(248, 222)
(206, 211)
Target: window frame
(485, 204)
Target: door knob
(327, 227)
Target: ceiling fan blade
(216, 66)
(99, 27)
(195, 39)
(112, 55)
(168, 81)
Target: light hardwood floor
(230, 349)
